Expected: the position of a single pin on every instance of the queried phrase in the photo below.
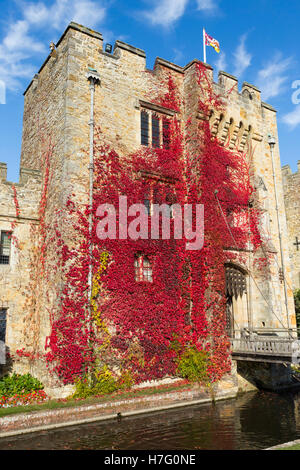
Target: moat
(252, 421)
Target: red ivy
(150, 323)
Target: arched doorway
(236, 300)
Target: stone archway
(236, 300)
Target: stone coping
(23, 423)
(268, 106)
(285, 445)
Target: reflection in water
(252, 421)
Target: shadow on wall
(267, 376)
(8, 366)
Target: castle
(79, 86)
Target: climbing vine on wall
(141, 327)
(39, 239)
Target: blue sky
(259, 43)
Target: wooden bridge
(268, 347)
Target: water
(252, 421)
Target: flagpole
(204, 46)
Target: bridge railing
(265, 346)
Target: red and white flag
(212, 42)
(209, 41)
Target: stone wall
(291, 185)
(19, 205)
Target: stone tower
(57, 114)
(291, 185)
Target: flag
(209, 41)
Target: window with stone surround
(5, 247)
(155, 125)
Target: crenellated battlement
(26, 175)
(291, 182)
(287, 172)
(25, 194)
(122, 51)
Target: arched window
(143, 269)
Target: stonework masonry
(57, 110)
(291, 186)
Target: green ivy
(193, 365)
(11, 385)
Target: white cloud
(166, 12)
(221, 63)
(87, 12)
(292, 119)
(17, 39)
(178, 56)
(36, 13)
(272, 78)
(21, 44)
(242, 58)
(207, 5)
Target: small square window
(143, 269)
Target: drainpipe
(272, 142)
(94, 78)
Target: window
(162, 194)
(155, 129)
(155, 132)
(148, 205)
(144, 128)
(5, 246)
(143, 269)
(3, 312)
(166, 133)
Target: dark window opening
(166, 133)
(3, 312)
(144, 128)
(147, 204)
(5, 246)
(155, 131)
